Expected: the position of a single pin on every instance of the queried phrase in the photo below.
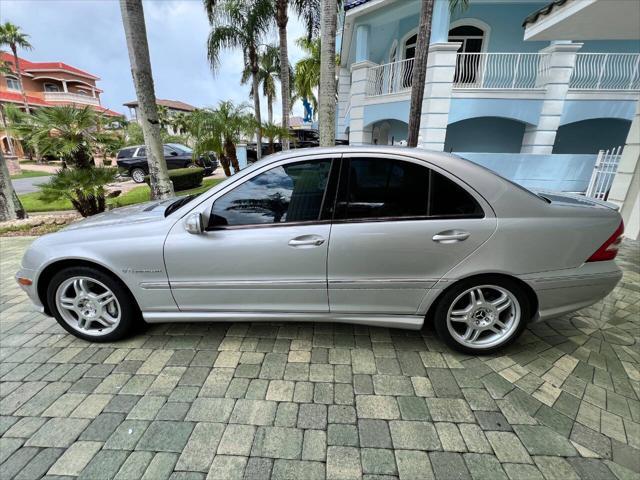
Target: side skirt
(410, 322)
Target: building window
(13, 84)
(51, 87)
(410, 46)
(468, 65)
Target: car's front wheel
(482, 315)
(138, 175)
(91, 304)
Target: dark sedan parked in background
(133, 160)
(300, 138)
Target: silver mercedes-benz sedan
(379, 236)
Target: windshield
(179, 203)
(180, 147)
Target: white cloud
(89, 35)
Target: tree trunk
(270, 108)
(230, 153)
(12, 150)
(10, 206)
(419, 72)
(253, 58)
(282, 20)
(327, 89)
(136, 34)
(16, 61)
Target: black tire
(129, 311)
(138, 174)
(444, 303)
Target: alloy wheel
(88, 306)
(483, 316)
(138, 176)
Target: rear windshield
(517, 185)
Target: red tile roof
(27, 66)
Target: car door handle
(451, 236)
(306, 241)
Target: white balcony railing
(606, 71)
(390, 78)
(70, 97)
(501, 70)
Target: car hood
(140, 213)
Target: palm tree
(13, 37)
(269, 65)
(240, 24)
(420, 65)
(307, 71)
(219, 130)
(10, 206)
(64, 131)
(308, 11)
(136, 35)
(273, 131)
(327, 88)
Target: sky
(89, 35)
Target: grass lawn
(29, 174)
(32, 202)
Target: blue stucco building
(536, 107)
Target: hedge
(183, 178)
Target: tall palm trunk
(136, 34)
(10, 206)
(16, 62)
(282, 20)
(419, 71)
(12, 150)
(230, 153)
(255, 69)
(327, 89)
(270, 108)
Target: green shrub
(85, 188)
(184, 178)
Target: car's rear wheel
(138, 175)
(482, 315)
(91, 304)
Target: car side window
(382, 188)
(142, 152)
(448, 199)
(166, 151)
(288, 193)
(379, 188)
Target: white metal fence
(389, 78)
(603, 173)
(501, 70)
(606, 71)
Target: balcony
(515, 71)
(66, 97)
(606, 71)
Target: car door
(399, 226)
(173, 158)
(265, 243)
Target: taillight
(609, 249)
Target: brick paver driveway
(313, 400)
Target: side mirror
(173, 153)
(193, 223)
